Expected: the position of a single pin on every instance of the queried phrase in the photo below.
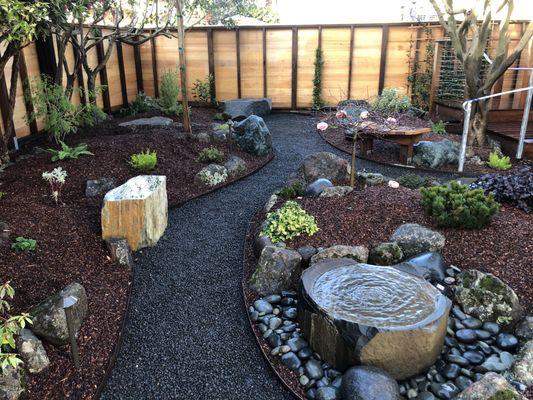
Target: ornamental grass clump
(289, 221)
(502, 163)
(145, 161)
(457, 206)
(56, 178)
(211, 155)
(10, 326)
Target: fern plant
(67, 152)
(502, 163)
(317, 80)
(458, 206)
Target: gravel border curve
(187, 334)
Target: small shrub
(211, 155)
(141, 104)
(10, 326)
(168, 94)
(52, 104)
(222, 116)
(458, 206)
(288, 222)
(515, 189)
(24, 244)
(56, 178)
(391, 101)
(502, 163)
(438, 127)
(68, 152)
(90, 115)
(213, 176)
(293, 191)
(414, 181)
(203, 90)
(145, 161)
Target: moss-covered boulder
(491, 387)
(484, 296)
(388, 253)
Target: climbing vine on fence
(421, 70)
(317, 80)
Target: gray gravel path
(187, 335)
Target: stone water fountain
(354, 313)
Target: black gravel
(187, 334)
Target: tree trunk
(90, 93)
(183, 73)
(478, 123)
(9, 130)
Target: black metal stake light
(68, 303)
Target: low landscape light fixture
(68, 303)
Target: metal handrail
(467, 107)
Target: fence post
(238, 49)
(294, 79)
(383, 57)
(350, 64)
(122, 74)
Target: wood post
(155, 72)
(103, 77)
(435, 77)
(122, 74)
(383, 57)
(138, 68)
(46, 56)
(211, 61)
(238, 49)
(294, 79)
(4, 107)
(264, 63)
(350, 64)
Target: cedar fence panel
(273, 61)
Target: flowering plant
(56, 179)
(322, 126)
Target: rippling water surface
(374, 296)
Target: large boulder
(523, 367)
(32, 352)
(336, 191)
(252, 135)
(49, 320)
(357, 253)
(369, 383)
(387, 253)
(436, 154)
(147, 122)
(278, 269)
(136, 211)
(12, 383)
(524, 329)
(120, 252)
(491, 387)
(212, 175)
(220, 132)
(321, 165)
(371, 178)
(240, 109)
(353, 313)
(235, 166)
(486, 297)
(415, 239)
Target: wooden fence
(254, 61)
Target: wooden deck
(508, 132)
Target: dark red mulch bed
(387, 152)
(370, 216)
(69, 247)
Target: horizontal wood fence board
(251, 44)
(307, 45)
(336, 54)
(113, 78)
(166, 54)
(129, 70)
(397, 65)
(366, 61)
(197, 59)
(225, 58)
(148, 72)
(279, 62)
(32, 64)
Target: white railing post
(467, 106)
(525, 118)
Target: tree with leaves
(193, 12)
(469, 33)
(21, 22)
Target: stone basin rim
(311, 274)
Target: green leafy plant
(24, 244)
(56, 178)
(458, 206)
(502, 163)
(289, 221)
(2, 195)
(90, 115)
(391, 101)
(67, 152)
(414, 181)
(421, 68)
(222, 116)
(145, 161)
(317, 80)
(141, 104)
(203, 90)
(168, 94)
(438, 127)
(52, 104)
(10, 326)
(211, 155)
(292, 191)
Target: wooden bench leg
(366, 146)
(406, 153)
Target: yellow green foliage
(289, 221)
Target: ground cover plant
(414, 181)
(438, 127)
(458, 206)
(145, 161)
(288, 222)
(211, 155)
(67, 152)
(24, 244)
(291, 191)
